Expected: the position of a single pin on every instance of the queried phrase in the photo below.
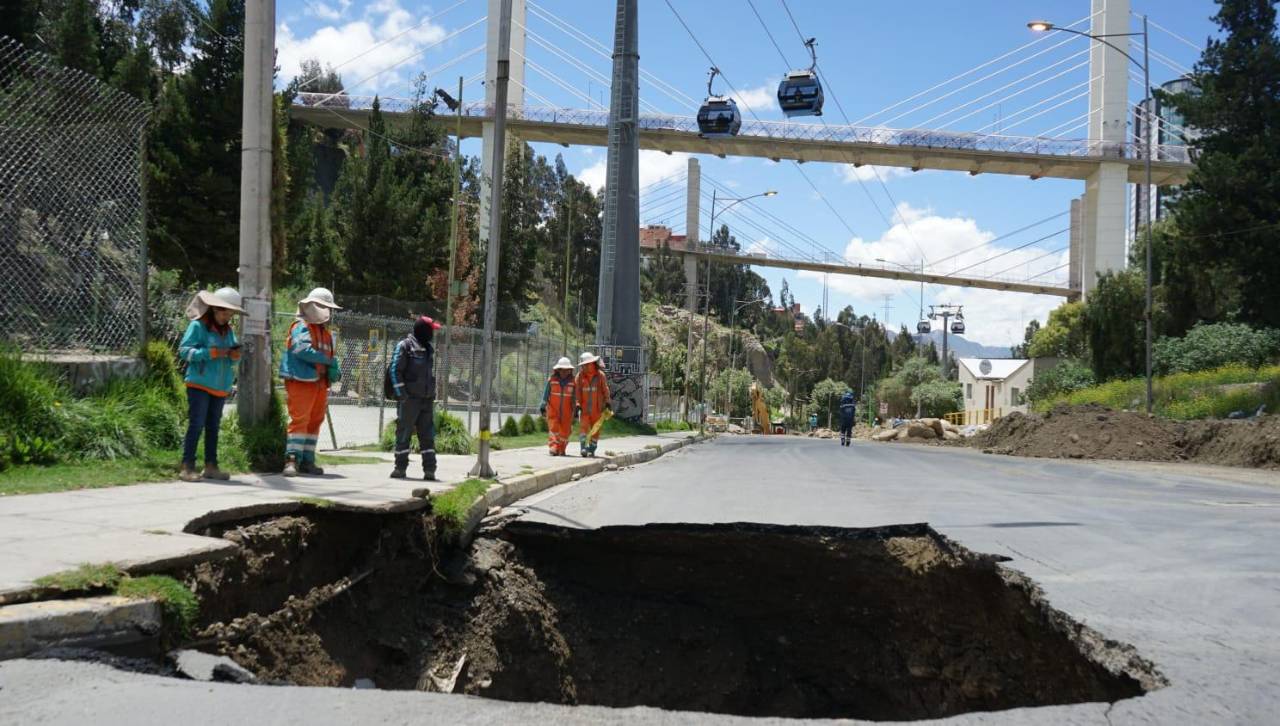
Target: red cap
(434, 325)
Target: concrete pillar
(515, 94)
(1106, 189)
(693, 197)
(1075, 237)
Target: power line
(769, 33)
(1006, 235)
(1011, 250)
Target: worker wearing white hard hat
(309, 366)
(592, 390)
(211, 351)
(558, 403)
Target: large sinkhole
(885, 623)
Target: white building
(994, 387)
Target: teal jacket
(309, 354)
(210, 357)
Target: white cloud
(350, 45)
(764, 245)
(654, 165)
(762, 99)
(993, 317)
(867, 172)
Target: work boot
(428, 474)
(211, 471)
(188, 473)
(398, 473)
(290, 467)
(310, 468)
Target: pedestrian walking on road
(210, 350)
(848, 410)
(592, 391)
(308, 368)
(413, 383)
(558, 404)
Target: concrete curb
(509, 491)
(90, 622)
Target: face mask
(314, 314)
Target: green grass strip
(452, 506)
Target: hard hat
(320, 296)
(587, 357)
(563, 363)
(225, 297)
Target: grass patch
(180, 606)
(319, 502)
(668, 426)
(103, 576)
(336, 460)
(1187, 396)
(452, 506)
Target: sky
(933, 64)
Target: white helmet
(587, 357)
(563, 363)
(224, 297)
(320, 296)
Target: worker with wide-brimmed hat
(593, 400)
(210, 350)
(308, 368)
(558, 403)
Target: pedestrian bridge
(916, 149)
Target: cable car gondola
(800, 92)
(719, 116)
(957, 325)
(923, 327)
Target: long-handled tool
(595, 427)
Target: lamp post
(455, 105)
(733, 353)
(706, 315)
(1044, 26)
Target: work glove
(215, 353)
(542, 410)
(608, 407)
(335, 371)
(234, 353)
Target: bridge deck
(915, 149)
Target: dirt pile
(884, 623)
(1097, 432)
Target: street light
(1041, 26)
(706, 316)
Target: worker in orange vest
(593, 400)
(558, 403)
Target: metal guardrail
(789, 131)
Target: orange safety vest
(593, 393)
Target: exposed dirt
(1097, 432)
(886, 623)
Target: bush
(664, 426)
(1213, 345)
(510, 428)
(29, 398)
(451, 434)
(162, 371)
(543, 426)
(527, 425)
(101, 427)
(938, 398)
(263, 443)
(1185, 396)
(1066, 377)
(387, 442)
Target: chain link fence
(72, 244)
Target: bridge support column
(1106, 190)
(692, 223)
(515, 96)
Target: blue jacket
(210, 357)
(412, 375)
(308, 354)
(847, 409)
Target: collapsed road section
(884, 623)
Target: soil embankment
(1097, 432)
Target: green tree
(1113, 322)
(825, 400)
(1228, 212)
(937, 398)
(75, 37)
(1063, 336)
(1067, 376)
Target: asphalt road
(1178, 561)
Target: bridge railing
(783, 130)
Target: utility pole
(493, 258)
(453, 240)
(568, 260)
(946, 312)
(255, 209)
(887, 308)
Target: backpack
(388, 390)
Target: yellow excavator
(760, 410)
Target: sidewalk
(141, 526)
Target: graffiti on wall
(625, 367)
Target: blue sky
(873, 54)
